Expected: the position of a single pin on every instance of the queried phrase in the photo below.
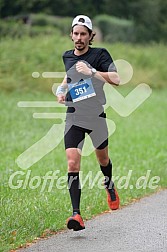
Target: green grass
(138, 144)
(19, 58)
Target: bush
(62, 23)
(114, 29)
(34, 25)
(18, 29)
(12, 29)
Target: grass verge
(138, 145)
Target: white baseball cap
(82, 20)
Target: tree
(148, 18)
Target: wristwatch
(94, 71)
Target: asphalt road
(141, 226)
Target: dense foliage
(148, 17)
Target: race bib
(81, 90)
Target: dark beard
(80, 49)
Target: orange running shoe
(75, 222)
(112, 198)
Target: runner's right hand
(61, 99)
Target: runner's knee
(73, 165)
(103, 160)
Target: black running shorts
(77, 127)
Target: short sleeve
(106, 63)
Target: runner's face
(81, 37)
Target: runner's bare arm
(110, 77)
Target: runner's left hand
(81, 67)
